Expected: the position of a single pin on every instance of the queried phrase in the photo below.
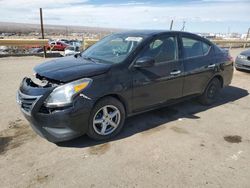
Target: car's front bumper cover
(242, 63)
(57, 124)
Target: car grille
(26, 101)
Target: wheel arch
(219, 77)
(117, 97)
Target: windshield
(113, 49)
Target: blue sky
(199, 15)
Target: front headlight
(63, 95)
(242, 56)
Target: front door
(161, 82)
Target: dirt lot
(186, 145)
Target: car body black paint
(70, 68)
(139, 89)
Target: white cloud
(30, 4)
(130, 15)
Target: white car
(71, 50)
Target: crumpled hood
(70, 68)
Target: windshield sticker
(134, 39)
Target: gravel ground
(185, 145)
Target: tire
(237, 69)
(211, 92)
(108, 114)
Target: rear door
(199, 64)
(163, 81)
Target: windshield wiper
(89, 58)
(78, 54)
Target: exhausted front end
(56, 111)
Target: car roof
(153, 32)
(150, 33)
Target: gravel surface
(185, 145)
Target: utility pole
(183, 26)
(248, 33)
(171, 24)
(228, 30)
(42, 31)
(67, 32)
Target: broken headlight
(63, 95)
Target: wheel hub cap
(106, 120)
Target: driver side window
(162, 49)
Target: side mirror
(144, 62)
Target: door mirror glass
(144, 62)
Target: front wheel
(211, 92)
(106, 119)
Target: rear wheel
(106, 119)
(211, 92)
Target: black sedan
(242, 61)
(123, 74)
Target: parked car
(35, 50)
(57, 46)
(4, 50)
(123, 74)
(71, 50)
(75, 43)
(242, 61)
(65, 41)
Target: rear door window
(194, 48)
(205, 48)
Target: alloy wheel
(212, 91)
(106, 120)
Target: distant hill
(24, 28)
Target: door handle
(175, 72)
(211, 66)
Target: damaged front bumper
(54, 124)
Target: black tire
(237, 69)
(107, 101)
(211, 92)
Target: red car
(57, 46)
